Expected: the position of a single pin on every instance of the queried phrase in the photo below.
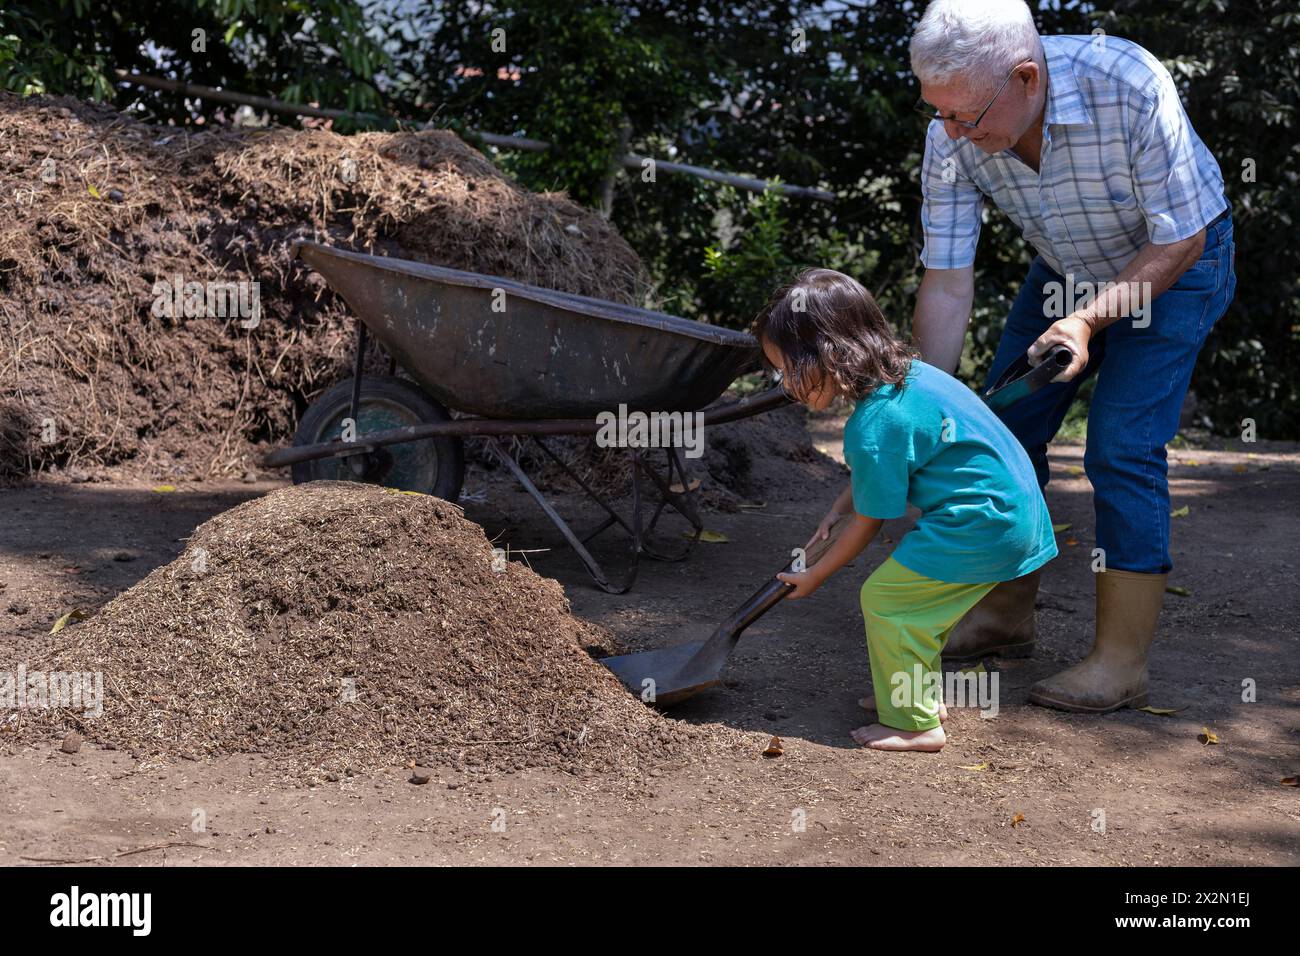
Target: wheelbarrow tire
(431, 466)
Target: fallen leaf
(164, 489)
(1074, 469)
(713, 537)
(1161, 711)
(1240, 469)
(774, 748)
(1017, 819)
(1291, 781)
(1182, 512)
(76, 614)
(677, 489)
(1058, 528)
(93, 191)
(977, 767)
(1207, 736)
(1180, 591)
(1071, 541)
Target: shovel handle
(1022, 379)
(775, 590)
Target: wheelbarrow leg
(614, 516)
(684, 502)
(636, 529)
(593, 566)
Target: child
(917, 436)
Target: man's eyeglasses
(930, 113)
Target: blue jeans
(1142, 378)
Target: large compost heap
(98, 207)
(340, 628)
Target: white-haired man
(1083, 143)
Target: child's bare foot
(869, 703)
(880, 737)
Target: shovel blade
(675, 671)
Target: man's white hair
(978, 41)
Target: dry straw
(98, 207)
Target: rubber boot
(1001, 623)
(1114, 674)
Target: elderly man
(1083, 143)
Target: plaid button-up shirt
(1121, 166)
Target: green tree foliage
(1238, 67)
(760, 87)
(301, 51)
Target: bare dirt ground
(1167, 798)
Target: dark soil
(1168, 799)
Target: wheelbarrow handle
(1021, 379)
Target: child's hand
(824, 529)
(805, 583)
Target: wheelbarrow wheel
(431, 466)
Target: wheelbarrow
(494, 358)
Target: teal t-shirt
(935, 445)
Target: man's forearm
(1148, 276)
(943, 304)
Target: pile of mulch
(341, 628)
(100, 206)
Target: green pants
(908, 619)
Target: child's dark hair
(826, 322)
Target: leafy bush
(751, 86)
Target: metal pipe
(631, 160)
(635, 161)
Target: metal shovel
(671, 674)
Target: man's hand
(1148, 276)
(1075, 332)
(805, 583)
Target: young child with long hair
(917, 436)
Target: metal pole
(630, 161)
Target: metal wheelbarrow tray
(519, 361)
